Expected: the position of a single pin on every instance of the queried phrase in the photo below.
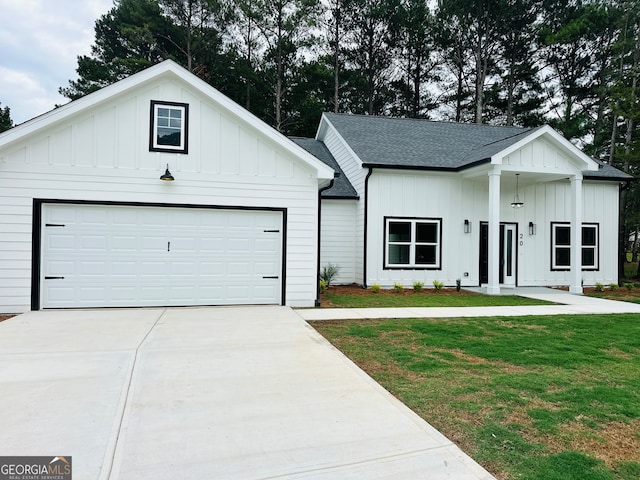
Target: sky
(40, 41)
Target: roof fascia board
(556, 138)
(325, 124)
(340, 197)
(427, 168)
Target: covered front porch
(534, 215)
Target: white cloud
(39, 43)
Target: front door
(508, 258)
(508, 237)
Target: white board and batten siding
(352, 168)
(422, 195)
(101, 154)
(338, 244)
(453, 198)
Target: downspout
(319, 238)
(366, 222)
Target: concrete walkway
(566, 304)
(205, 393)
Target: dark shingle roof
(425, 144)
(402, 142)
(341, 188)
(607, 172)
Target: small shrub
(398, 287)
(599, 287)
(323, 286)
(417, 286)
(613, 286)
(437, 284)
(628, 285)
(458, 284)
(375, 288)
(328, 273)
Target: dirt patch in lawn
(614, 442)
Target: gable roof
(166, 68)
(342, 188)
(388, 142)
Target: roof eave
(458, 168)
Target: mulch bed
(5, 317)
(359, 291)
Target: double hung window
(561, 246)
(169, 127)
(413, 243)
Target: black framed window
(561, 246)
(169, 130)
(413, 242)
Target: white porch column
(493, 287)
(576, 235)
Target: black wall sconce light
(532, 228)
(467, 226)
(167, 177)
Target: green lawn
(554, 397)
(427, 299)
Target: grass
(343, 297)
(531, 398)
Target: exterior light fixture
(467, 226)
(532, 228)
(516, 198)
(167, 177)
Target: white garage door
(117, 256)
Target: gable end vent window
(169, 127)
(413, 243)
(561, 246)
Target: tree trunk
(279, 68)
(336, 61)
(249, 52)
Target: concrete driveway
(205, 393)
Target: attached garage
(156, 191)
(146, 256)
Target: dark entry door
(507, 255)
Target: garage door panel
(159, 256)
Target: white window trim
(154, 146)
(412, 244)
(596, 247)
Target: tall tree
(470, 30)
(572, 33)
(335, 30)
(368, 52)
(132, 36)
(198, 36)
(515, 98)
(412, 37)
(285, 28)
(5, 119)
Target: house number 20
(521, 239)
